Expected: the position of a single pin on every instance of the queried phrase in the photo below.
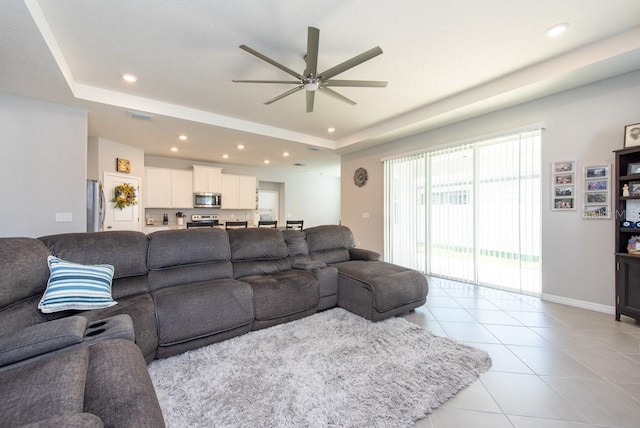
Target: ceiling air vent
(314, 148)
(298, 164)
(139, 115)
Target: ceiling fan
(313, 81)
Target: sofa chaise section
(197, 300)
(369, 287)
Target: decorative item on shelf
(123, 165)
(634, 188)
(627, 224)
(180, 216)
(632, 135)
(633, 168)
(360, 177)
(633, 246)
(124, 196)
(625, 190)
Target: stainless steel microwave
(207, 200)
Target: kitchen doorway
(268, 204)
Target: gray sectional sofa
(176, 290)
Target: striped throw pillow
(76, 286)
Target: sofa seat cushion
(44, 388)
(283, 293)
(192, 311)
(391, 285)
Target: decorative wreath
(125, 196)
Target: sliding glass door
(470, 213)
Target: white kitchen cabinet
(238, 192)
(207, 179)
(158, 188)
(181, 189)
(169, 188)
(247, 196)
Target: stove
(204, 220)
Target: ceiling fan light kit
(312, 81)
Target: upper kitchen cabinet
(207, 179)
(239, 192)
(169, 188)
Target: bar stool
(236, 224)
(268, 223)
(295, 224)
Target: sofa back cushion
(126, 251)
(187, 256)
(256, 251)
(23, 269)
(330, 243)
(297, 244)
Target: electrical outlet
(64, 217)
(365, 215)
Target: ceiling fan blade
(270, 61)
(310, 97)
(350, 63)
(296, 82)
(313, 40)
(286, 94)
(356, 83)
(334, 94)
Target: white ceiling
(444, 61)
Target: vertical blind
(469, 212)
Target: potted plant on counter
(180, 216)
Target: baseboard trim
(579, 303)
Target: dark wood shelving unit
(627, 265)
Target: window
(469, 212)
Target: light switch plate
(64, 217)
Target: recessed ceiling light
(285, 154)
(557, 29)
(130, 78)
(266, 161)
(332, 129)
(183, 137)
(240, 146)
(225, 156)
(174, 149)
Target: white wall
(585, 124)
(44, 157)
(314, 198)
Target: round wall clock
(360, 177)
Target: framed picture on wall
(596, 203)
(563, 182)
(632, 135)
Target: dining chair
(236, 224)
(268, 223)
(295, 224)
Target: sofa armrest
(41, 339)
(362, 254)
(310, 265)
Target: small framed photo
(123, 165)
(596, 198)
(563, 190)
(634, 188)
(633, 168)
(597, 185)
(564, 179)
(563, 204)
(632, 135)
(596, 171)
(596, 212)
(563, 167)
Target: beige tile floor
(554, 366)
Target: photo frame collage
(596, 180)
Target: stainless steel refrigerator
(95, 206)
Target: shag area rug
(332, 369)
